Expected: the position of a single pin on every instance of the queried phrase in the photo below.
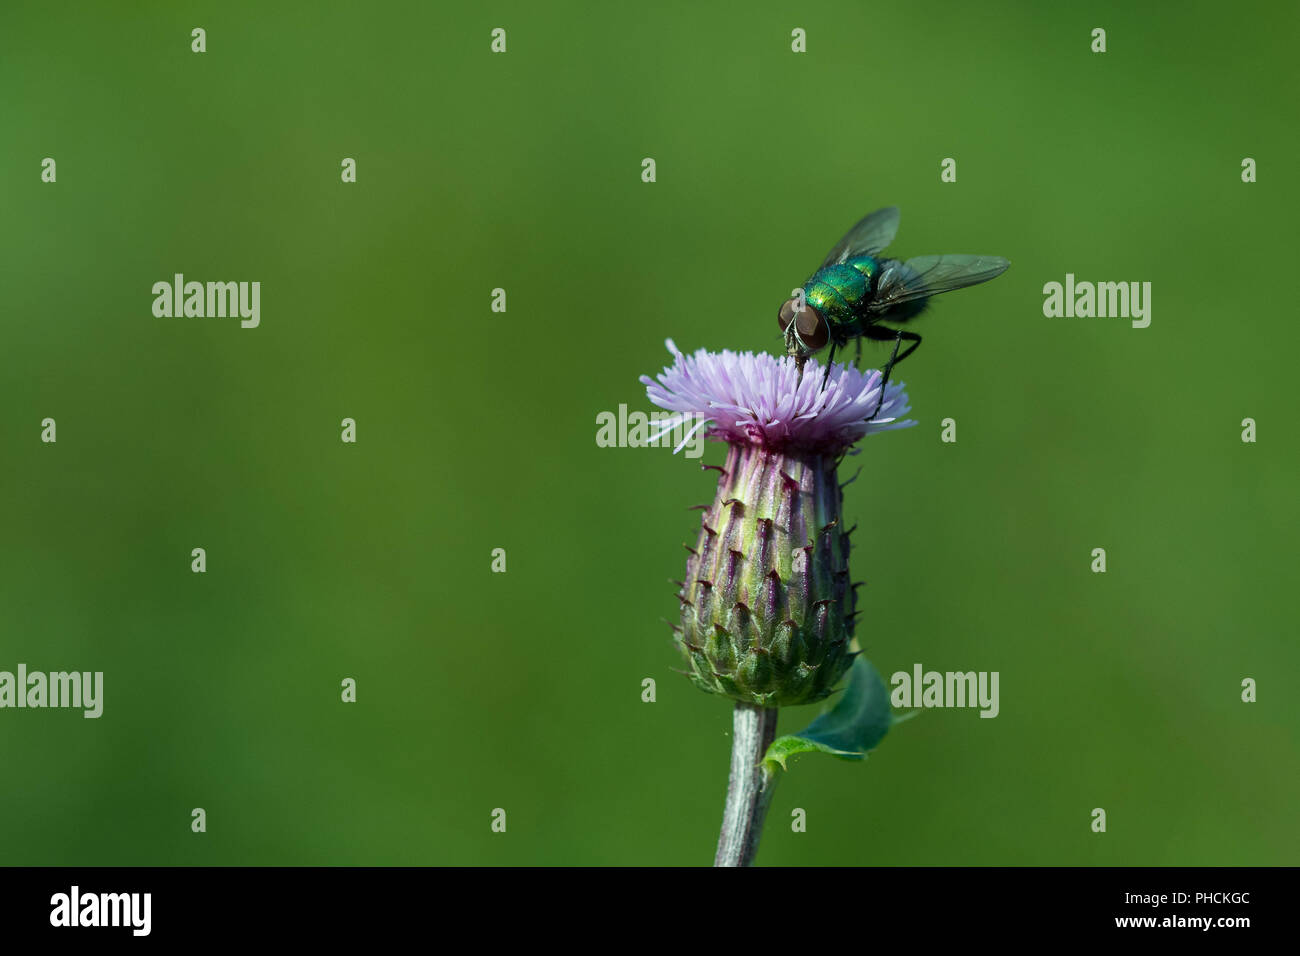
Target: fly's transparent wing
(925, 276)
(871, 235)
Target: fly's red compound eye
(785, 315)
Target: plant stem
(749, 790)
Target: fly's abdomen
(837, 292)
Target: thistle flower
(766, 605)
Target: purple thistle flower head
(750, 399)
(767, 608)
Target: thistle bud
(767, 605)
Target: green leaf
(850, 729)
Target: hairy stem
(749, 790)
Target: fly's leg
(829, 358)
(880, 334)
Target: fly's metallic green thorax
(869, 266)
(838, 292)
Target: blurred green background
(477, 431)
